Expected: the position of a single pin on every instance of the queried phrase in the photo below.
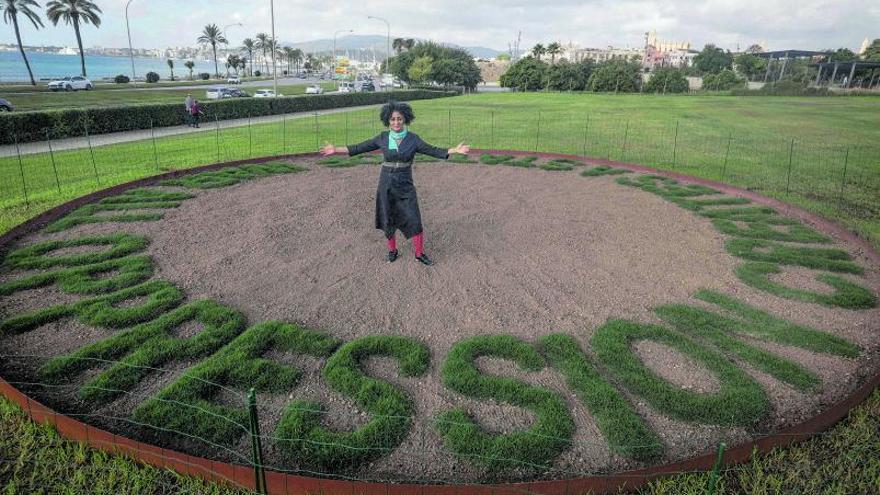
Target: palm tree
(249, 46)
(297, 57)
(171, 66)
(74, 12)
(554, 49)
(11, 9)
(232, 61)
(397, 45)
(409, 44)
(189, 64)
(538, 50)
(288, 55)
(263, 43)
(211, 36)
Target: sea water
(51, 66)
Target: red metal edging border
(282, 483)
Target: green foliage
(712, 60)
(626, 433)
(722, 81)
(88, 279)
(509, 160)
(137, 199)
(140, 349)
(560, 164)
(846, 294)
(567, 76)
(31, 126)
(763, 229)
(667, 80)
(783, 88)
(749, 66)
(740, 401)
(232, 175)
(186, 404)
(300, 434)
(121, 79)
(456, 72)
(872, 53)
(835, 260)
(842, 55)
(603, 170)
(420, 69)
(616, 75)
(204, 76)
(152, 77)
(666, 187)
(527, 74)
(700, 204)
(429, 61)
(535, 447)
(39, 256)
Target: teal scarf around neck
(395, 137)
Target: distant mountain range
(375, 43)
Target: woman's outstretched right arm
(356, 149)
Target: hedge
(32, 126)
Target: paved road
(141, 86)
(123, 137)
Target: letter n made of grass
(301, 437)
(535, 447)
(626, 433)
(138, 351)
(187, 405)
(740, 401)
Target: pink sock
(392, 243)
(418, 244)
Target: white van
(346, 87)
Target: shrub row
(57, 124)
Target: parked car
(233, 93)
(215, 93)
(314, 89)
(346, 87)
(5, 106)
(265, 93)
(70, 84)
(368, 86)
(233, 80)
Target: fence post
(317, 132)
(283, 133)
(250, 138)
(675, 144)
(449, 127)
(843, 179)
(27, 202)
(52, 156)
(726, 156)
(217, 135)
(91, 153)
(713, 477)
(492, 135)
(538, 132)
(155, 150)
(346, 127)
(586, 133)
(625, 136)
(259, 474)
(788, 175)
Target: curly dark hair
(396, 106)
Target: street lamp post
(334, 53)
(388, 46)
(130, 51)
(274, 65)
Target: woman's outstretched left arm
(426, 149)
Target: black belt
(396, 166)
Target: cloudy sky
(813, 24)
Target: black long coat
(397, 204)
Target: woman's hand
(328, 149)
(461, 149)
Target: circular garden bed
(580, 318)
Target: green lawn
(114, 96)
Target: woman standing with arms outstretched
(397, 205)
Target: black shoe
(423, 259)
(392, 256)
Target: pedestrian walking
(188, 102)
(196, 111)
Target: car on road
(233, 93)
(215, 93)
(5, 106)
(314, 89)
(233, 80)
(70, 83)
(368, 86)
(346, 87)
(265, 93)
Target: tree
(233, 62)
(249, 46)
(753, 49)
(842, 55)
(74, 12)
(872, 53)
(713, 60)
(722, 81)
(666, 80)
(749, 66)
(527, 74)
(419, 71)
(503, 56)
(538, 50)
(263, 44)
(617, 75)
(297, 57)
(211, 36)
(566, 76)
(398, 45)
(456, 71)
(11, 9)
(189, 64)
(554, 49)
(171, 66)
